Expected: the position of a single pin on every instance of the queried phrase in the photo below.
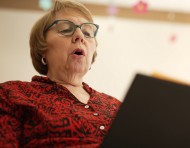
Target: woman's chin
(78, 69)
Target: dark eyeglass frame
(75, 27)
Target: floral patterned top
(42, 113)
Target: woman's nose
(78, 36)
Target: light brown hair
(37, 36)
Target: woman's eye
(87, 34)
(65, 31)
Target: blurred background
(135, 36)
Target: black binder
(154, 114)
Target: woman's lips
(79, 52)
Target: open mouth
(78, 52)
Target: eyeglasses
(67, 28)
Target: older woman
(58, 109)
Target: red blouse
(42, 114)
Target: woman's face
(69, 54)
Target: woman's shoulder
(18, 92)
(16, 85)
(12, 84)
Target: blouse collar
(45, 79)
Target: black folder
(155, 113)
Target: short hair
(38, 37)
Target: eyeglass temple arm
(55, 22)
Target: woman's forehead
(72, 15)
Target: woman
(58, 109)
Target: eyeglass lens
(68, 28)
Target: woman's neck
(74, 85)
(71, 80)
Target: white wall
(125, 47)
